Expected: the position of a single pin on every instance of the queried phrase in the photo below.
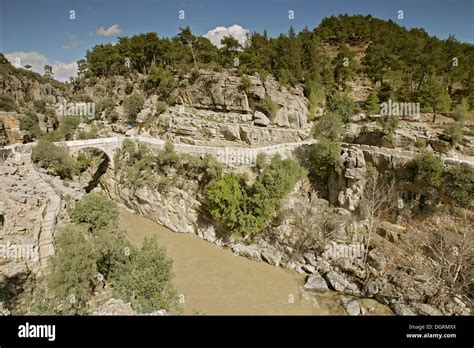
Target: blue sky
(45, 28)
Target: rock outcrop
(26, 86)
(119, 307)
(345, 188)
(10, 132)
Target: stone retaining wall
(50, 215)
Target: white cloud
(62, 71)
(35, 59)
(114, 30)
(236, 31)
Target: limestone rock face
(213, 106)
(10, 128)
(222, 91)
(24, 88)
(345, 189)
(249, 251)
(205, 126)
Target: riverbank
(213, 280)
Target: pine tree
(433, 94)
(344, 66)
(372, 104)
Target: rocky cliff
(339, 264)
(214, 106)
(26, 86)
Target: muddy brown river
(212, 280)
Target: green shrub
(133, 105)
(460, 185)
(140, 167)
(280, 176)
(39, 106)
(160, 107)
(325, 155)
(128, 88)
(329, 126)
(454, 132)
(7, 103)
(389, 124)
(244, 211)
(82, 163)
(371, 169)
(245, 83)
(91, 134)
(96, 212)
(427, 170)
(67, 127)
(29, 122)
(163, 81)
(82, 255)
(112, 116)
(213, 169)
(146, 281)
(167, 158)
(372, 104)
(54, 158)
(420, 143)
(113, 252)
(268, 107)
(227, 196)
(67, 288)
(385, 92)
(261, 161)
(135, 165)
(343, 106)
(316, 98)
(105, 104)
(73, 270)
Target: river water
(212, 280)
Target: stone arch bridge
(228, 155)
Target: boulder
(260, 119)
(352, 308)
(231, 133)
(316, 283)
(131, 132)
(401, 309)
(339, 283)
(376, 259)
(309, 268)
(249, 251)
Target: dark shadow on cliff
(104, 163)
(12, 288)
